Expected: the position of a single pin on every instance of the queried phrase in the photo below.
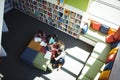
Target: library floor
(74, 62)
(22, 28)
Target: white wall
(4, 27)
(105, 14)
(1, 16)
(2, 52)
(115, 74)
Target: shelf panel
(63, 18)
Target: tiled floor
(74, 62)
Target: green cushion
(102, 50)
(92, 68)
(83, 77)
(40, 62)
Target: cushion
(92, 67)
(34, 45)
(104, 29)
(43, 49)
(95, 25)
(110, 38)
(102, 50)
(114, 44)
(111, 31)
(111, 58)
(29, 55)
(114, 50)
(108, 66)
(104, 75)
(85, 28)
(40, 62)
(117, 34)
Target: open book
(37, 39)
(48, 55)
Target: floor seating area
(98, 63)
(96, 33)
(39, 52)
(110, 61)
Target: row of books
(52, 14)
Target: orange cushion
(95, 25)
(104, 75)
(114, 50)
(34, 45)
(111, 30)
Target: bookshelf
(2, 51)
(62, 17)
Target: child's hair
(61, 45)
(59, 50)
(55, 37)
(40, 33)
(48, 38)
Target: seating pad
(92, 67)
(108, 66)
(111, 31)
(34, 45)
(104, 75)
(104, 29)
(101, 50)
(96, 25)
(40, 62)
(29, 55)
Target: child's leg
(59, 67)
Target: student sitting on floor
(40, 36)
(59, 61)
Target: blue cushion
(109, 66)
(29, 55)
(115, 44)
(85, 28)
(104, 29)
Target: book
(43, 43)
(48, 55)
(37, 39)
